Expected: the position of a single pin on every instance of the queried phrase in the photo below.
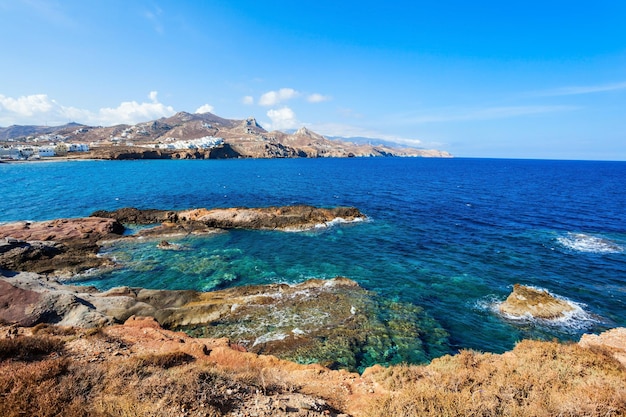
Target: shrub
(29, 347)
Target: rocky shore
(249, 351)
(68, 246)
(139, 368)
(315, 321)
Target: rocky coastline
(258, 343)
(64, 247)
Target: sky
(498, 79)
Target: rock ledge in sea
(297, 217)
(314, 321)
(64, 247)
(526, 301)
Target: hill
(240, 138)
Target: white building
(10, 153)
(45, 151)
(206, 142)
(77, 147)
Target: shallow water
(449, 235)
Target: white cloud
(131, 112)
(205, 108)
(317, 98)
(283, 118)
(39, 109)
(271, 98)
(26, 105)
(247, 100)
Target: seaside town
(186, 136)
(46, 146)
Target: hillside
(241, 138)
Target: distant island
(188, 136)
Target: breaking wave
(582, 242)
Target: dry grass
(29, 347)
(535, 379)
(38, 379)
(158, 385)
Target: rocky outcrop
(61, 230)
(68, 246)
(315, 321)
(299, 217)
(65, 245)
(531, 302)
(613, 340)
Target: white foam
(269, 337)
(326, 225)
(582, 242)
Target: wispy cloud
(488, 113)
(49, 11)
(154, 17)
(317, 98)
(576, 90)
(247, 100)
(271, 98)
(40, 109)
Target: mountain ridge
(243, 138)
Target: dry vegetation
(41, 376)
(535, 379)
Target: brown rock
(613, 340)
(318, 320)
(61, 230)
(527, 301)
(16, 303)
(283, 218)
(63, 245)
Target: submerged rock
(66, 246)
(332, 322)
(527, 301)
(165, 245)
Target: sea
(451, 236)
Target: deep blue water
(450, 235)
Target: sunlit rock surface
(333, 322)
(532, 302)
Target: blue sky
(532, 79)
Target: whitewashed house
(45, 151)
(77, 147)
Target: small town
(58, 146)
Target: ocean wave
(326, 225)
(582, 242)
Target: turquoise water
(449, 235)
